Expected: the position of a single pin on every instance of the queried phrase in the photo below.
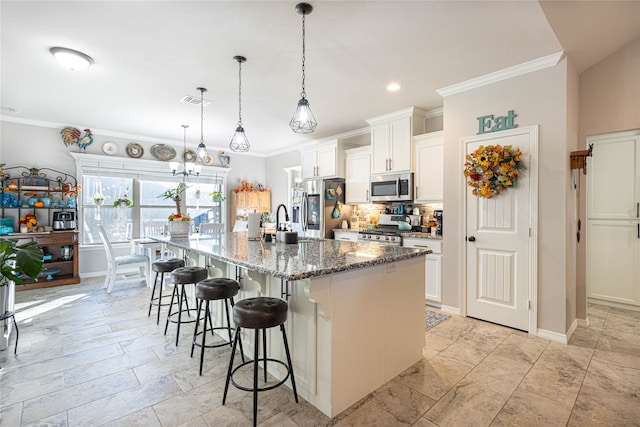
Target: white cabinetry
(358, 170)
(428, 167)
(433, 267)
(324, 161)
(391, 139)
(613, 218)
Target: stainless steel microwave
(391, 188)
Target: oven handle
(398, 187)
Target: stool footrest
(221, 344)
(260, 359)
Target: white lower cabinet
(433, 267)
(348, 236)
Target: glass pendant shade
(303, 120)
(239, 142)
(201, 152)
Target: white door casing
(500, 284)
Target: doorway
(500, 251)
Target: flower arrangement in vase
(175, 194)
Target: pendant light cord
(303, 94)
(240, 93)
(201, 116)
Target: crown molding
(504, 74)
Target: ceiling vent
(188, 99)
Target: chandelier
(188, 168)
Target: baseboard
(450, 310)
(552, 336)
(607, 303)
(583, 323)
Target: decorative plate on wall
(163, 152)
(189, 156)
(134, 150)
(110, 148)
(207, 160)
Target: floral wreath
(491, 169)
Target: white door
(498, 250)
(613, 218)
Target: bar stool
(259, 313)
(211, 290)
(183, 276)
(162, 266)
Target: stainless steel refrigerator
(322, 208)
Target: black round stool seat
(167, 265)
(184, 275)
(162, 266)
(218, 288)
(260, 312)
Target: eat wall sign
(488, 124)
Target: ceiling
(150, 54)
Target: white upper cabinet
(391, 140)
(428, 167)
(358, 169)
(324, 161)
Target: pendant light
(187, 167)
(239, 141)
(201, 152)
(303, 120)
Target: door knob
(471, 239)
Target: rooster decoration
(72, 136)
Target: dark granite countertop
(307, 258)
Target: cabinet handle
(390, 168)
(417, 193)
(367, 196)
(639, 230)
(638, 210)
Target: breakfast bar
(356, 310)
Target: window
(143, 182)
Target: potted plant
(217, 196)
(16, 261)
(179, 224)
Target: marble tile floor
(86, 358)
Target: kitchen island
(356, 310)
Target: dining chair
(211, 228)
(156, 228)
(124, 262)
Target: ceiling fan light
(239, 141)
(71, 59)
(303, 120)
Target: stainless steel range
(388, 233)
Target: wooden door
(499, 284)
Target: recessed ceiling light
(393, 87)
(71, 59)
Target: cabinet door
(252, 204)
(400, 146)
(429, 170)
(433, 279)
(613, 261)
(264, 201)
(309, 162)
(380, 140)
(358, 171)
(345, 236)
(326, 159)
(614, 178)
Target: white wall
(538, 98)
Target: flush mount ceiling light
(187, 167)
(71, 59)
(303, 120)
(393, 87)
(201, 152)
(239, 141)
